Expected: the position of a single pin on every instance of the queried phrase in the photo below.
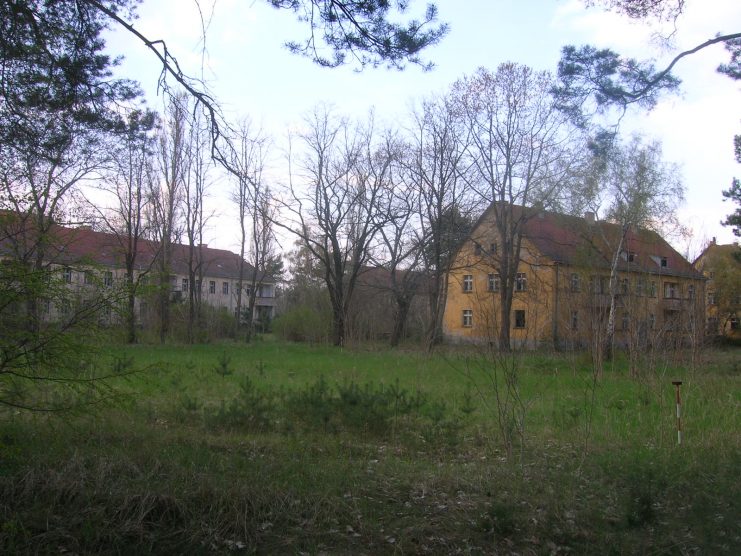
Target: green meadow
(281, 448)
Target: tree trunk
(610, 333)
(400, 320)
(505, 344)
(338, 328)
(131, 307)
(437, 308)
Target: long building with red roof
(82, 251)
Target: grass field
(288, 448)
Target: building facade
(562, 286)
(88, 259)
(721, 265)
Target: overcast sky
(252, 74)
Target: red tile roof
(573, 240)
(82, 245)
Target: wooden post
(677, 384)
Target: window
(519, 318)
(631, 257)
(575, 282)
(467, 283)
(108, 278)
(691, 291)
(67, 275)
(624, 286)
(663, 262)
(651, 321)
(211, 286)
(87, 278)
(574, 320)
(467, 318)
(493, 283)
(225, 288)
(198, 286)
(520, 282)
(185, 285)
(477, 249)
(264, 291)
(652, 289)
(640, 286)
(734, 322)
(671, 290)
(493, 249)
(599, 284)
(625, 322)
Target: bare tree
(249, 197)
(264, 261)
(520, 152)
(334, 212)
(166, 199)
(195, 185)
(401, 250)
(433, 169)
(128, 182)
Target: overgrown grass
(287, 448)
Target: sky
(253, 75)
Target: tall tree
(195, 187)
(129, 182)
(249, 197)
(521, 152)
(166, 199)
(433, 168)
(265, 262)
(636, 189)
(734, 194)
(401, 248)
(56, 91)
(334, 210)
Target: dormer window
(629, 256)
(663, 262)
(477, 249)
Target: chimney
(713, 240)
(589, 217)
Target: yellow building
(562, 283)
(721, 264)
